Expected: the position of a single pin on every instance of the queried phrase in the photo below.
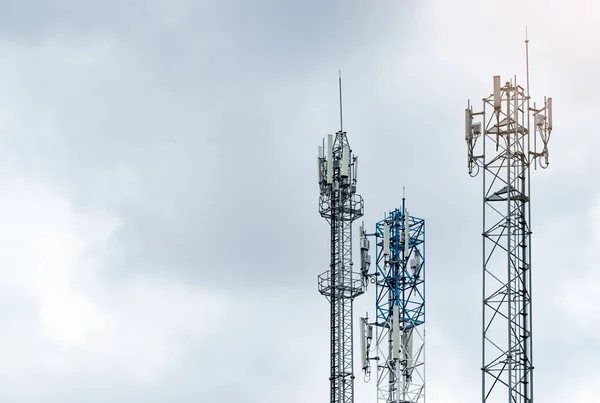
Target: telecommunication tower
(400, 308)
(340, 205)
(510, 136)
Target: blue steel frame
(397, 284)
(396, 279)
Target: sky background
(160, 239)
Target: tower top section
(509, 115)
(338, 169)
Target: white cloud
(50, 262)
(581, 298)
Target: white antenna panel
(468, 120)
(497, 99)
(415, 264)
(549, 113)
(345, 161)
(386, 239)
(320, 161)
(329, 158)
(320, 167)
(408, 345)
(395, 333)
(363, 343)
(406, 236)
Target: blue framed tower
(400, 308)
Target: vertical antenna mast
(340, 85)
(528, 95)
(527, 59)
(340, 205)
(505, 157)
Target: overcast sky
(160, 239)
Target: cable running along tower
(340, 205)
(400, 308)
(509, 136)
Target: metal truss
(340, 206)
(400, 309)
(505, 155)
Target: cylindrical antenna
(363, 344)
(395, 332)
(329, 158)
(345, 161)
(408, 343)
(468, 124)
(320, 161)
(386, 239)
(497, 99)
(406, 236)
(549, 112)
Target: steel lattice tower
(505, 149)
(340, 205)
(400, 308)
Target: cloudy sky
(160, 238)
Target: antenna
(527, 58)
(340, 85)
(528, 97)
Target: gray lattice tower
(503, 145)
(340, 206)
